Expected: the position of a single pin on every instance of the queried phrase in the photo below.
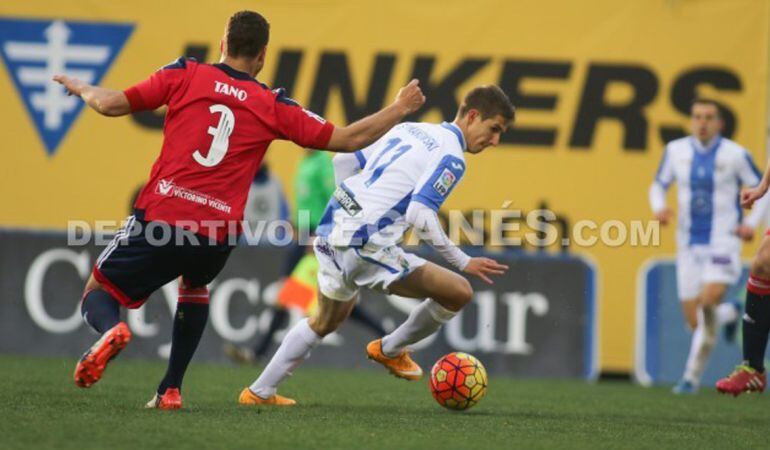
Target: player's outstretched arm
(759, 213)
(425, 222)
(107, 102)
(657, 196)
(363, 132)
(483, 267)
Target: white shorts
(699, 265)
(343, 270)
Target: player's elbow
(346, 140)
(113, 105)
(353, 144)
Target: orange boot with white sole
(92, 364)
(401, 366)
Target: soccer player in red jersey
(750, 376)
(220, 122)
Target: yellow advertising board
(600, 86)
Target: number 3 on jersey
(221, 140)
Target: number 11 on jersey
(378, 170)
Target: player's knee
(710, 337)
(463, 294)
(467, 293)
(91, 284)
(760, 266)
(711, 296)
(323, 326)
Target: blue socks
(100, 311)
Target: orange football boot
(401, 366)
(92, 364)
(249, 398)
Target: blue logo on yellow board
(35, 50)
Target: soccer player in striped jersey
(398, 182)
(709, 171)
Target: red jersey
(219, 124)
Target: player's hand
(72, 85)
(745, 232)
(410, 97)
(482, 267)
(749, 196)
(664, 216)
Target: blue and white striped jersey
(413, 162)
(709, 181)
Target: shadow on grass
(418, 411)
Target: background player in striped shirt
(709, 171)
(219, 124)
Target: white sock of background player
(726, 313)
(703, 340)
(424, 320)
(295, 348)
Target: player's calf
(446, 293)
(192, 312)
(102, 313)
(296, 347)
(99, 310)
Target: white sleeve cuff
(657, 197)
(425, 222)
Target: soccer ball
(458, 381)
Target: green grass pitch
(42, 408)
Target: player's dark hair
(707, 101)
(247, 33)
(488, 100)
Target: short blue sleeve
(439, 183)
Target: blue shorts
(144, 256)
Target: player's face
(483, 133)
(704, 121)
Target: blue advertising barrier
(537, 321)
(662, 337)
